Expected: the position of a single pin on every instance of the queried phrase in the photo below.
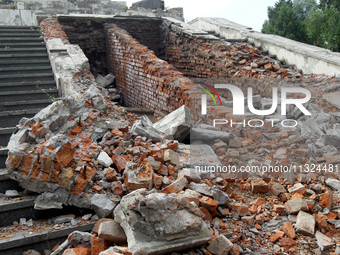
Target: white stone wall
(308, 58)
(17, 17)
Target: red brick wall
(89, 34)
(51, 28)
(145, 80)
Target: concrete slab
(333, 99)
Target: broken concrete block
(11, 193)
(79, 238)
(102, 205)
(105, 81)
(305, 223)
(199, 134)
(276, 188)
(202, 188)
(63, 219)
(323, 241)
(138, 177)
(157, 223)
(220, 197)
(104, 159)
(144, 128)
(176, 186)
(171, 156)
(177, 123)
(190, 174)
(333, 183)
(220, 245)
(48, 200)
(295, 205)
(111, 231)
(297, 188)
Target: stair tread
(3, 150)
(22, 39)
(22, 44)
(22, 238)
(38, 101)
(26, 68)
(21, 34)
(7, 130)
(28, 61)
(27, 83)
(23, 55)
(19, 27)
(22, 49)
(7, 93)
(26, 75)
(19, 112)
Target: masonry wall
(89, 34)
(145, 80)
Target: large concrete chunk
(333, 99)
(220, 245)
(157, 223)
(178, 123)
(305, 224)
(102, 205)
(111, 231)
(324, 242)
(295, 205)
(209, 135)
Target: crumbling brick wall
(89, 34)
(145, 80)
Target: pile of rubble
(137, 176)
(207, 58)
(90, 153)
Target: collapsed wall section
(88, 32)
(145, 80)
(197, 54)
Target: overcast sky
(250, 13)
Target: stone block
(152, 226)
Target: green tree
(304, 8)
(323, 28)
(328, 3)
(284, 21)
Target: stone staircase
(26, 80)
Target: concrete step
(12, 209)
(24, 62)
(45, 240)
(5, 134)
(26, 69)
(22, 45)
(12, 50)
(3, 156)
(19, 27)
(5, 78)
(19, 34)
(21, 39)
(9, 96)
(26, 55)
(12, 118)
(27, 85)
(19, 30)
(22, 105)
